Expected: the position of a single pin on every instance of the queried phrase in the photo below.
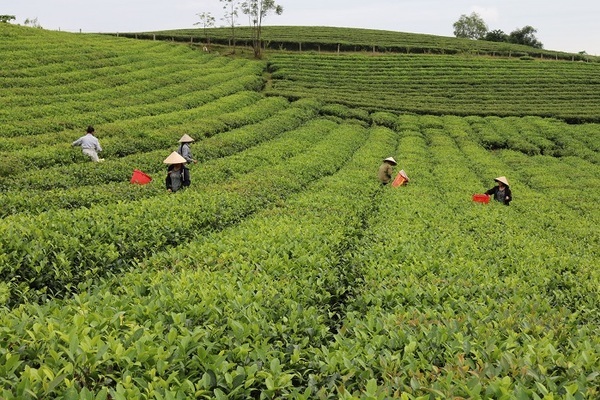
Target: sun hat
(391, 159)
(186, 139)
(502, 179)
(174, 158)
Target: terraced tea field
(442, 84)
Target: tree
(6, 18)
(496, 35)
(526, 37)
(206, 21)
(257, 10)
(470, 27)
(231, 8)
(32, 22)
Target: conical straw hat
(391, 159)
(186, 139)
(502, 179)
(174, 158)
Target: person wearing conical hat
(184, 148)
(386, 171)
(178, 175)
(501, 192)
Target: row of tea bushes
(470, 301)
(119, 169)
(288, 144)
(441, 85)
(234, 314)
(49, 252)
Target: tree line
(474, 27)
(468, 26)
(256, 10)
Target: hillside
(333, 39)
(438, 76)
(442, 84)
(286, 270)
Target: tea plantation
(286, 270)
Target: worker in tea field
(184, 149)
(90, 146)
(385, 170)
(178, 175)
(501, 192)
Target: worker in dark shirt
(501, 192)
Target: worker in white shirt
(90, 146)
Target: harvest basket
(400, 179)
(140, 178)
(481, 198)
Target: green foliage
(318, 39)
(496, 35)
(6, 18)
(525, 36)
(470, 27)
(286, 270)
(441, 84)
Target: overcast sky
(570, 26)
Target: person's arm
(508, 196)
(491, 192)
(389, 171)
(186, 153)
(168, 178)
(77, 142)
(186, 177)
(98, 148)
(168, 182)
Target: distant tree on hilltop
(231, 8)
(206, 21)
(34, 23)
(6, 18)
(257, 10)
(526, 37)
(497, 35)
(470, 27)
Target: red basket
(399, 181)
(481, 198)
(140, 178)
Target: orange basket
(140, 178)
(481, 198)
(400, 179)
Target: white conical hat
(174, 158)
(502, 179)
(186, 139)
(391, 159)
